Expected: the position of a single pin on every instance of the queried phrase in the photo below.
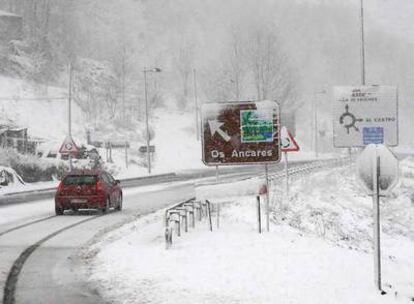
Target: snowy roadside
(17, 188)
(318, 251)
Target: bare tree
(237, 67)
(184, 64)
(273, 78)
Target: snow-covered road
(53, 273)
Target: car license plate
(78, 200)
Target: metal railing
(179, 216)
(183, 215)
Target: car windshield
(80, 180)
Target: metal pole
(267, 199)
(110, 152)
(315, 125)
(126, 154)
(70, 111)
(286, 178)
(362, 44)
(196, 104)
(146, 122)
(377, 227)
(106, 151)
(123, 83)
(259, 218)
(218, 205)
(209, 215)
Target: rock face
(11, 27)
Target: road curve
(40, 262)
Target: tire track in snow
(11, 282)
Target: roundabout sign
(365, 115)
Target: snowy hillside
(43, 110)
(46, 118)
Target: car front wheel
(58, 210)
(119, 207)
(107, 205)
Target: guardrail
(183, 215)
(295, 169)
(39, 194)
(178, 216)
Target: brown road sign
(240, 133)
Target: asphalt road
(53, 272)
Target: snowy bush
(30, 167)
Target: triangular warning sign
(288, 142)
(68, 146)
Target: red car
(88, 189)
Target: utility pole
(123, 83)
(155, 70)
(196, 105)
(146, 123)
(362, 44)
(70, 111)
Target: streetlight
(153, 70)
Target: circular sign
(388, 168)
(285, 142)
(68, 146)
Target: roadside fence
(184, 215)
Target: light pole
(70, 111)
(154, 70)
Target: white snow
(319, 250)
(37, 110)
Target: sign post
(126, 154)
(286, 178)
(376, 214)
(288, 144)
(267, 199)
(378, 172)
(241, 133)
(259, 218)
(218, 205)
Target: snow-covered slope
(35, 106)
(319, 250)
